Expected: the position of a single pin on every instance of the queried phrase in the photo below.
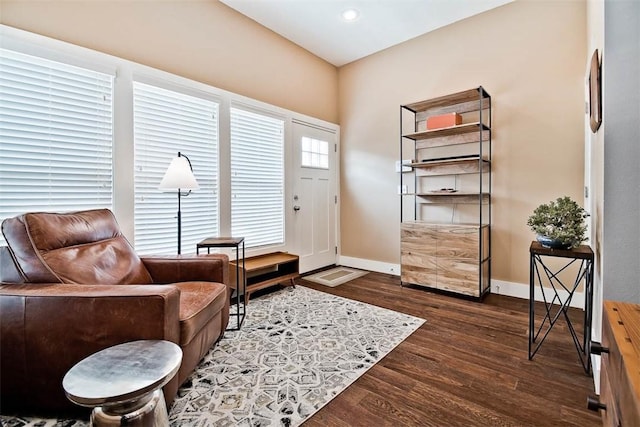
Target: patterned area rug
(297, 350)
(335, 276)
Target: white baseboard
(521, 290)
(366, 264)
(499, 287)
(595, 366)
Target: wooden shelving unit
(445, 230)
(267, 270)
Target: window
(257, 178)
(56, 136)
(166, 122)
(315, 153)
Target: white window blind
(56, 136)
(257, 178)
(166, 122)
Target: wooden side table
(240, 291)
(124, 383)
(562, 296)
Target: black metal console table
(240, 291)
(559, 304)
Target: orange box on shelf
(443, 121)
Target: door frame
(292, 239)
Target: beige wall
(530, 56)
(202, 40)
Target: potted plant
(559, 224)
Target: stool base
(147, 411)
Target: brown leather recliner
(72, 285)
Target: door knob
(296, 208)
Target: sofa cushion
(199, 303)
(81, 247)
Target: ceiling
(317, 25)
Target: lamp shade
(179, 176)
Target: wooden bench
(267, 270)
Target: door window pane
(315, 153)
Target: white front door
(315, 197)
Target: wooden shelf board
(281, 279)
(265, 261)
(446, 224)
(449, 198)
(456, 194)
(452, 99)
(428, 164)
(444, 141)
(450, 131)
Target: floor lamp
(179, 176)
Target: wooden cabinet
(445, 187)
(620, 364)
(445, 257)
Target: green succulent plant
(561, 220)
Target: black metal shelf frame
(483, 107)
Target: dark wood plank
(466, 366)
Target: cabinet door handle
(597, 348)
(593, 404)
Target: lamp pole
(179, 225)
(179, 175)
(180, 214)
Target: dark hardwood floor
(466, 366)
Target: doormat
(335, 276)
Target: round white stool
(124, 383)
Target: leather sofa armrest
(47, 328)
(9, 272)
(188, 268)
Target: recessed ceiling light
(350, 15)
